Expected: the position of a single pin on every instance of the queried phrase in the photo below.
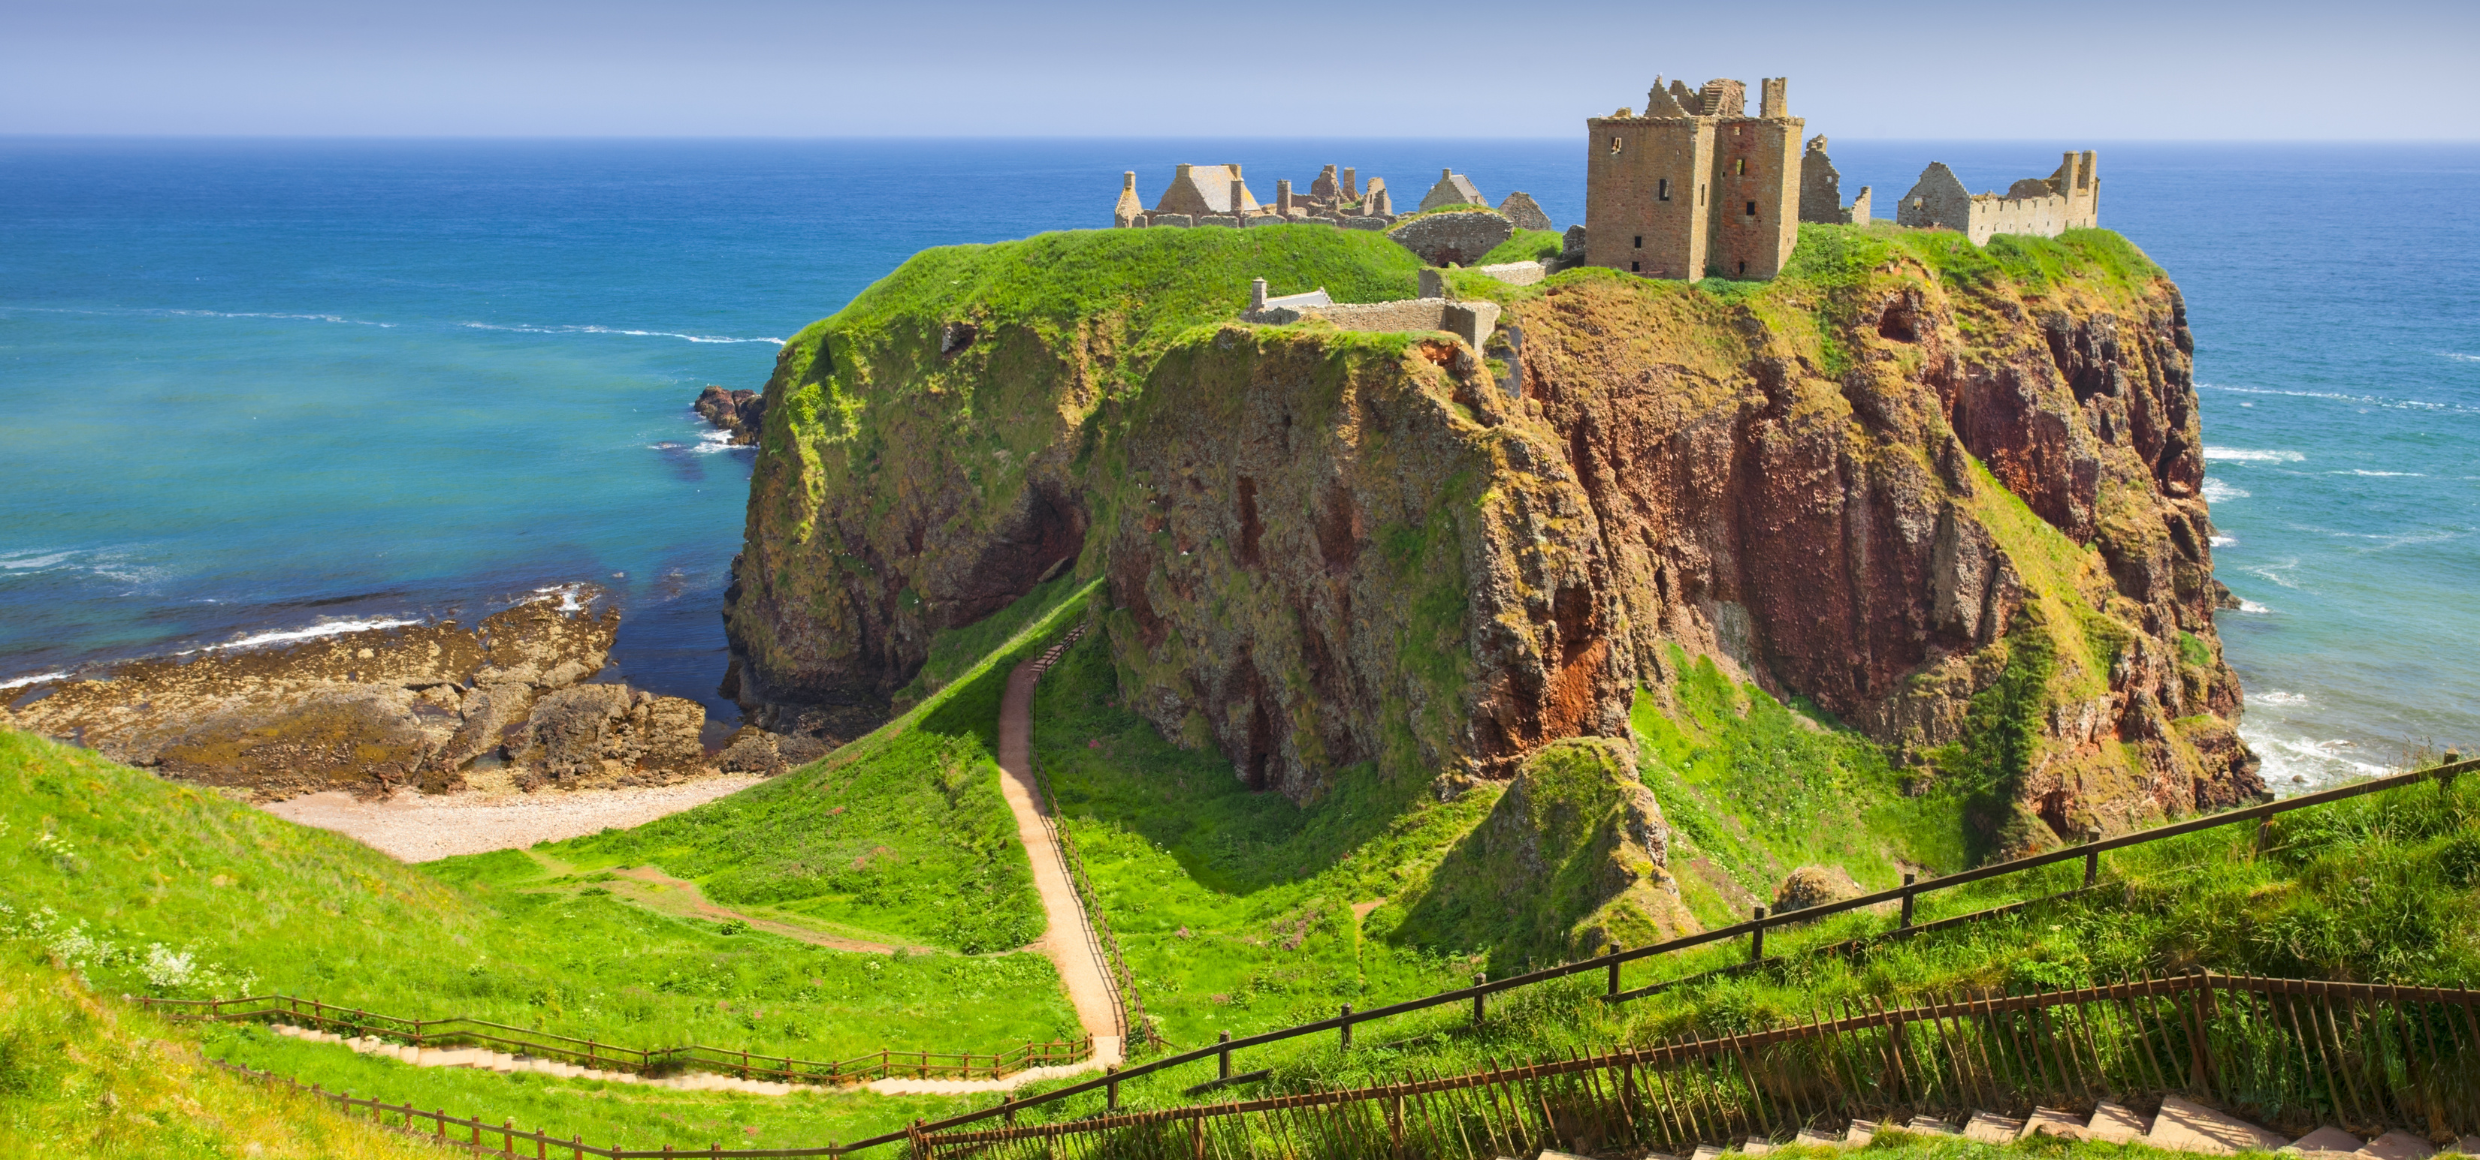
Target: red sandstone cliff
(1948, 497)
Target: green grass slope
(81, 1075)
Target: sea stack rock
(743, 413)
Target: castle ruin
(1821, 190)
(2069, 199)
(1695, 186)
(1216, 195)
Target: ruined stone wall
(1471, 321)
(1756, 195)
(1645, 181)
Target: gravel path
(1068, 942)
(417, 827)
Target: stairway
(2181, 1127)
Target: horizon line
(16, 136)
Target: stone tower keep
(1695, 186)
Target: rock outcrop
(417, 705)
(1952, 500)
(743, 413)
(1573, 857)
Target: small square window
(1752, 209)
(1635, 268)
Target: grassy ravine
(79, 1076)
(2382, 888)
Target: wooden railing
(2288, 1052)
(1753, 930)
(353, 1022)
(1134, 1028)
(2292, 1053)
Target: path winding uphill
(1068, 940)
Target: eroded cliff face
(1950, 498)
(1881, 495)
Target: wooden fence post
(1756, 938)
(1347, 1027)
(2092, 867)
(1614, 970)
(1110, 1088)
(1479, 977)
(1222, 1065)
(1909, 880)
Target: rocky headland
(1951, 497)
(437, 707)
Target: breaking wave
(616, 330)
(2215, 491)
(2339, 397)
(2241, 455)
(313, 632)
(37, 679)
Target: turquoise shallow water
(257, 388)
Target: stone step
(1816, 1138)
(2326, 1143)
(2114, 1124)
(2397, 1145)
(1990, 1128)
(1860, 1133)
(2187, 1127)
(2052, 1122)
(1931, 1125)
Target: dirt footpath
(417, 827)
(1068, 941)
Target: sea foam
(2242, 455)
(2215, 491)
(37, 679)
(725, 338)
(313, 632)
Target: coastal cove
(262, 389)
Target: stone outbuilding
(1523, 212)
(1453, 189)
(2070, 198)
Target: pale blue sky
(1984, 69)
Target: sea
(254, 391)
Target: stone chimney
(1773, 104)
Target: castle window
(1662, 190)
(1740, 166)
(1640, 242)
(1700, 195)
(1752, 209)
(1743, 269)
(1635, 268)
(1614, 146)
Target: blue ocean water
(259, 388)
